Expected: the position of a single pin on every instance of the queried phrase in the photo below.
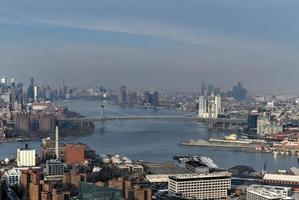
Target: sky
(152, 43)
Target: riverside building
(213, 185)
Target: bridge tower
(102, 114)
(102, 118)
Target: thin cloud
(150, 29)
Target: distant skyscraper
(4, 80)
(13, 83)
(217, 91)
(147, 97)
(35, 93)
(202, 107)
(218, 106)
(122, 95)
(209, 107)
(238, 92)
(132, 98)
(30, 91)
(203, 89)
(210, 89)
(154, 100)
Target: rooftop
(199, 176)
(270, 192)
(281, 177)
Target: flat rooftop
(195, 176)
(164, 168)
(269, 192)
(281, 177)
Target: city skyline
(152, 44)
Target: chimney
(57, 142)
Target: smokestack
(57, 142)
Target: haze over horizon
(159, 44)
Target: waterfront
(157, 140)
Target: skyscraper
(218, 106)
(202, 107)
(203, 88)
(30, 91)
(4, 80)
(35, 91)
(122, 95)
(154, 100)
(209, 107)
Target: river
(156, 140)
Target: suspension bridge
(223, 123)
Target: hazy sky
(152, 43)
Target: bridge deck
(219, 120)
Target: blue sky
(156, 43)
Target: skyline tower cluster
(210, 102)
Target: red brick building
(74, 154)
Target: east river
(156, 140)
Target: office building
(213, 185)
(265, 192)
(12, 176)
(54, 168)
(25, 157)
(252, 122)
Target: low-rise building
(282, 180)
(265, 192)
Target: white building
(265, 192)
(218, 106)
(200, 186)
(35, 91)
(202, 108)
(12, 176)
(25, 157)
(4, 80)
(209, 107)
